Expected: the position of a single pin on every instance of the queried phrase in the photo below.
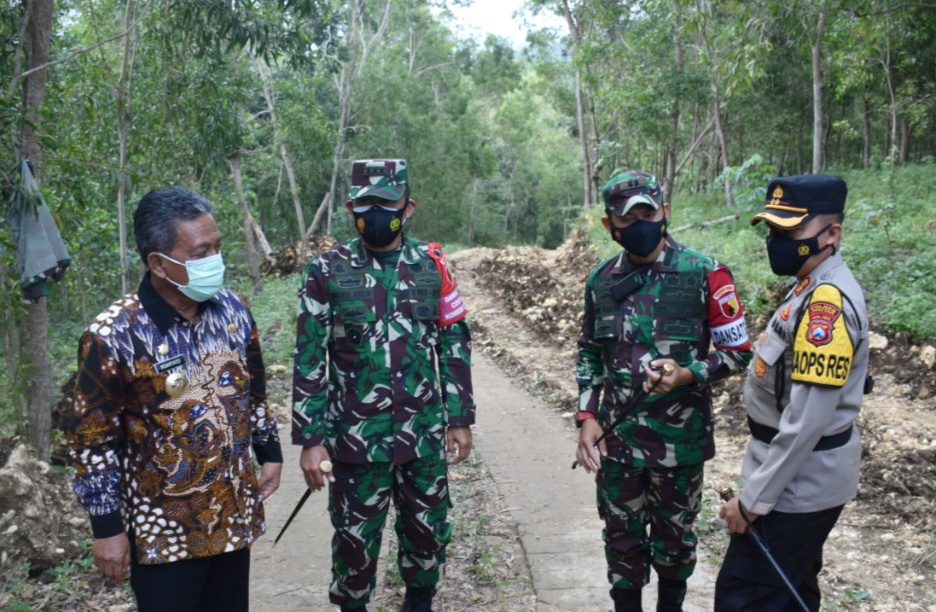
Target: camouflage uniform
(380, 372)
(653, 472)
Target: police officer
(655, 303)
(803, 393)
(382, 388)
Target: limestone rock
(41, 522)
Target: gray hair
(155, 222)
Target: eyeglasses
(366, 207)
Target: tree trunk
(284, 154)
(670, 161)
(905, 134)
(35, 327)
(817, 148)
(345, 86)
(253, 265)
(123, 138)
(722, 146)
(583, 140)
(866, 135)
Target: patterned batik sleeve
(265, 433)
(454, 352)
(589, 368)
(310, 374)
(727, 329)
(94, 434)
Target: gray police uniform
(803, 393)
(805, 385)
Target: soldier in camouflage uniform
(655, 303)
(382, 388)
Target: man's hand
(458, 437)
(588, 455)
(680, 376)
(112, 556)
(310, 460)
(732, 513)
(269, 478)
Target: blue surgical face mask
(206, 277)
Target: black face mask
(378, 226)
(641, 237)
(787, 255)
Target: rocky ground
(525, 306)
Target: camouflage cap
(628, 189)
(379, 178)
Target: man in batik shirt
(169, 402)
(652, 315)
(382, 388)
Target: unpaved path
(528, 449)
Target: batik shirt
(377, 377)
(175, 470)
(686, 303)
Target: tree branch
(75, 54)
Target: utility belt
(766, 434)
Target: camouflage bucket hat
(379, 178)
(628, 189)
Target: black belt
(766, 434)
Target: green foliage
(274, 310)
(748, 181)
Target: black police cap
(792, 200)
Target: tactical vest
(354, 303)
(668, 313)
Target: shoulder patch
(451, 307)
(822, 347)
(725, 312)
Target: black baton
(727, 494)
(325, 467)
(667, 369)
(302, 501)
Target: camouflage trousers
(358, 503)
(665, 500)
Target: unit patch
(801, 286)
(822, 347)
(728, 301)
(760, 367)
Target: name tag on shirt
(168, 364)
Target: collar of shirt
(819, 274)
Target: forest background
(260, 105)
